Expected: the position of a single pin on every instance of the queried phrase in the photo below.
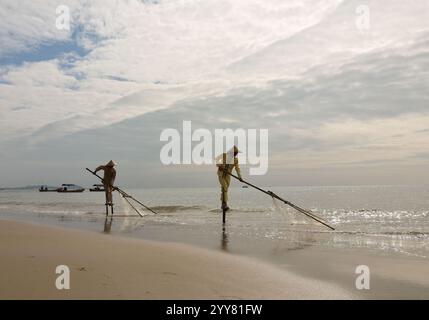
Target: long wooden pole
(272, 194)
(124, 194)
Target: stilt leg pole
(223, 207)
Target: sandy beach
(110, 267)
(214, 150)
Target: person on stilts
(108, 182)
(226, 163)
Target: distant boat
(47, 189)
(70, 188)
(245, 187)
(97, 188)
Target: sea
(383, 220)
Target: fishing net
(131, 220)
(291, 215)
(128, 210)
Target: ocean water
(379, 219)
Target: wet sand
(392, 276)
(110, 267)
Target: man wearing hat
(226, 163)
(108, 181)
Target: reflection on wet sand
(224, 239)
(108, 225)
(129, 223)
(293, 240)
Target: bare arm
(99, 168)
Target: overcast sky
(344, 104)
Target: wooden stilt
(225, 170)
(223, 216)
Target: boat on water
(97, 188)
(70, 188)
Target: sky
(341, 85)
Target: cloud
(336, 39)
(78, 74)
(330, 95)
(52, 95)
(179, 41)
(25, 25)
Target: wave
(243, 210)
(407, 233)
(384, 233)
(175, 208)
